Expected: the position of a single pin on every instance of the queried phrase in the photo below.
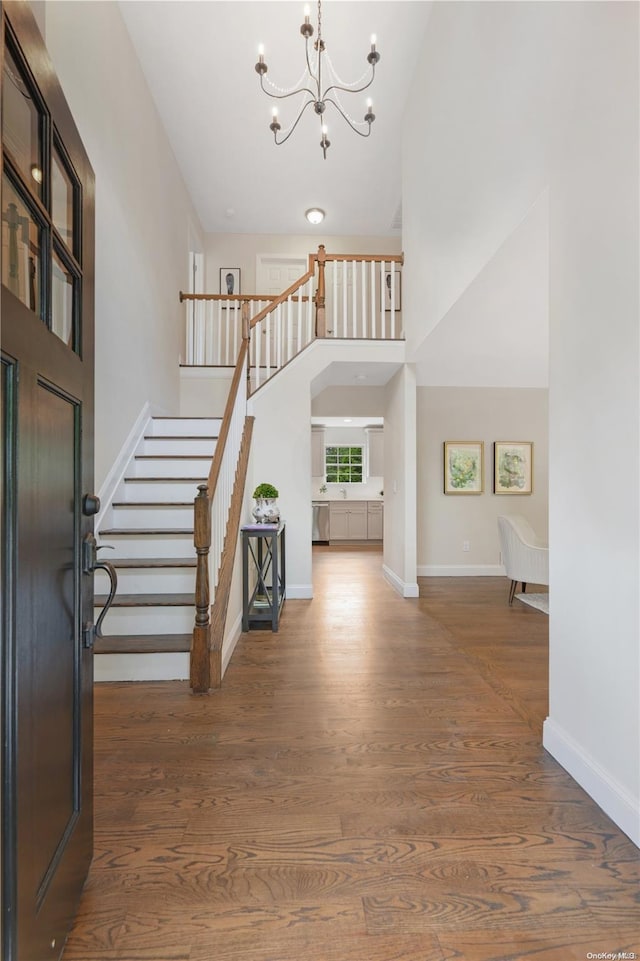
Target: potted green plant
(266, 506)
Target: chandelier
(318, 71)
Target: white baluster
(289, 353)
(392, 316)
(257, 336)
(268, 347)
(363, 282)
(383, 294)
(372, 294)
(354, 299)
(344, 298)
(309, 295)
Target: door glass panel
(62, 302)
(21, 266)
(21, 125)
(62, 201)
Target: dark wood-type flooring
(368, 785)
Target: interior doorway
(276, 272)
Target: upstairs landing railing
(357, 296)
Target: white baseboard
(461, 570)
(299, 592)
(141, 667)
(230, 642)
(613, 798)
(119, 466)
(403, 588)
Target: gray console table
(263, 575)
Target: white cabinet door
(358, 524)
(317, 452)
(338, 522)
(375, 448)
(375, 515)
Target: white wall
(400, 482)
(144, 219)
(241, 250)
(445, 521)
(281, 449)
(546, 96)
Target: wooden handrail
(240, 297)
(368, 258)
(216, 463)
(281, 298)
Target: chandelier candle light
(311, 84)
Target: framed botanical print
(463, 467)
(512, 467)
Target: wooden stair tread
(142, 644)
(147, 600)
(137, 531)
(181, 436)
(152, 562)
(138, 504)
(165, 480)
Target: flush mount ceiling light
(318, 68)
(314, 215)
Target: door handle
(90, 564)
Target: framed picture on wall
(512, 467)
(229, 280)
(463, 467)
(397, 290)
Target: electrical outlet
(466, 546)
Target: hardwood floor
(368, 785)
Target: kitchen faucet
(343, 491)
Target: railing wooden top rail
(283, 297)
(368, 258)
(241, 298)
(216, 463)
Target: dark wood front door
(47, 468)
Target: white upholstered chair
(525, 557)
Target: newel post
(200, 679)
(321, 322)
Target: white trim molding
(119, 466)
(461, 570)
(609, 794)
(299, 592)
(230, 642)
(403, 588)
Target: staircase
(147, 632)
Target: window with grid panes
(343, 465)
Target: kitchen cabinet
(348, 521)
(375, 516)
(317, 451)
(375, 452)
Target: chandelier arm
(335, 86)
(309, 68)
(283, 96)
(343, 114)
(296, 122)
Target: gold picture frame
(463, 467)
(513, 467)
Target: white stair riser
(153, 491)
(164, 580)
(148, 620)
(184, 426)
(141, 667)
(171, 467)
(152, 517)
(170, 447)
(149, 545)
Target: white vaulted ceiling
(198, 58)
